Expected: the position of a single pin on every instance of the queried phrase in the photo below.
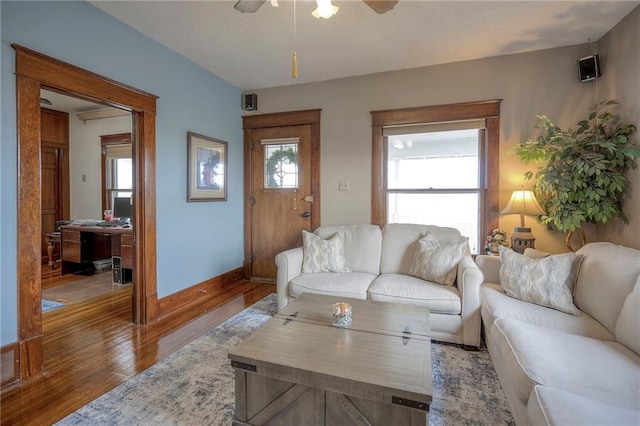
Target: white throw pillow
(323, 255)
(435, 262)
(545, 282)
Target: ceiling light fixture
(325, 9)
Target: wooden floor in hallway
(92, 346)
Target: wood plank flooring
(90, 349)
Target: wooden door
(281, 194)
(54, 173)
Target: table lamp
(522, 202)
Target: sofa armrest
(490, 267)
(470, 278)
(289, 264)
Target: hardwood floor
(90, 349)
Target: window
(280, 163)
(433, 178)
(117, 168)
(438, 166)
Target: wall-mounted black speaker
(249, 101)
(588, 68)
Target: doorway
(34, 72)
(282, 186)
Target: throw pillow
(545, 282)
(323, 255)
(436, 262)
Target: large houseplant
(581, 178)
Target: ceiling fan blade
(248, 6)
(381, 6)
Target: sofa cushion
(401, 242)
(532, 355)
(607, 275)
(496, 304)
(405, 289)
(349, 284)
(628, 325)
(323, 255)
(551, 406)
(437, 262)
(543, 281)
(362, 245)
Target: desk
(52, 238)
(81, 245)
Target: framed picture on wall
(206, 168)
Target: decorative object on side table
(496, 239)
(341, 315)
(582, 174)
(522, 202)
(206, 168)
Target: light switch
(84, 178)
(343, 185)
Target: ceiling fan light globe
(325, 9)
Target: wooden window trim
(489, 155)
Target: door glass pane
(458, 211)
(281, 165)
(433, 160)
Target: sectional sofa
(558, 368)
(379, 261)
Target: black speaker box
(588, 68)
(249, 101)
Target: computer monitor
(122, 208)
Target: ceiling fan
(250, 6)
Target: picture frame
(206, 168)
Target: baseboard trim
(198, 293)
(9, 366)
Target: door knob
(306, 214)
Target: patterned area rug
(49, 305)
(195, 385)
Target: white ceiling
(254, 50)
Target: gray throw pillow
(436, 262)
(545, 282)
(323, 255)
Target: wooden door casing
(278, 215)
(35, 71)
(253, 123)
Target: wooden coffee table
(299, 370)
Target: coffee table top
(386, 351)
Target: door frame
(279, 119)
(33, 72)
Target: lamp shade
(523, 202)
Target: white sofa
(379, 261)
(561, 369)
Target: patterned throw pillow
(436, 262)
(545, 282)
(323, 255)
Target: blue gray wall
(195, 241)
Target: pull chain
(294, 63)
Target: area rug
(195, 385)
(49, 305)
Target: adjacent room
(333, 212)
